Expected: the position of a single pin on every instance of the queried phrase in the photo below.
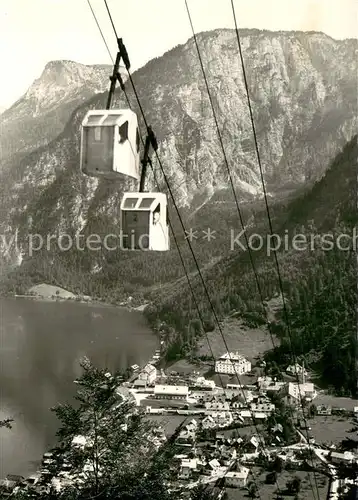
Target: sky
(34, 32)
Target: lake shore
(51, 293)
(42, 344)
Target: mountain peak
(59, 64)
(62, 86)
(62, 79)
(65, 72)
(302, 86)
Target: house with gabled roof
(232, 364)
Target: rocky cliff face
(43, 111)
(303, 91)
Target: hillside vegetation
(319, 284)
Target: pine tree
(119, 458)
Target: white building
(189, 431)
(203, 383)
(248, 415)
(276, 387)
(296, 392)
(237, 405)
(214, 465)
(217, 419)
(232, 364)
(148, 375)
(217, 406)
(235, 391)
(346, 457)
(265, 407)
(171, 392)
(192, 425)
(296, 370)
(208, 422)
(186, 435)
(222, 418)
(237, 479)
(324, 410)
(188, 466)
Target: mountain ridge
(296, 140)
(42, 112)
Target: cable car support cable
(231, 179)
(192, 252)
(239, 211)
(152, 138)
(270, 224)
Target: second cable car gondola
(144, 221)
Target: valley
(277, 307)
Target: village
(255, 432)
(251, 422)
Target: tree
(312, 411)
(202, 492)
(277, 465)
(6, 423)
(351, 493)
(294, 485)
(252, 489)
(118, 457)
(273, 370)
(271, 478)
(347, 471)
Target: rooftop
(181, 390)
(240, 474)
(347, 455)
(191, 463)
(306, 387)
(232, 356)
(149, 369)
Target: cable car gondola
(110, 149)
(110, 144)
(144, 221)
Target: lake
(41, 345)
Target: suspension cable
(231, 180)
(232, 184)
(100, 30)
(170, 224)
(192, 252)
(237, 203)
(110, 18)
(270, 222)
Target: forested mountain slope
(320, 282)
